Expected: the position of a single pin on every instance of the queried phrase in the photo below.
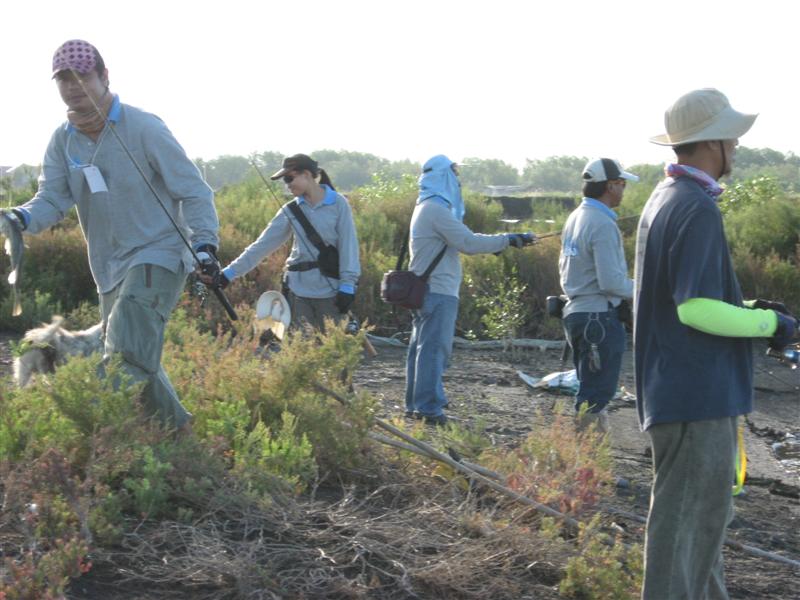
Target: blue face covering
(438, 180)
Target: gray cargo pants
(135, 314)
(690, 507)
(313, 312)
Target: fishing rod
(215, 287)
(551, 234)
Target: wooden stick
(462, 468)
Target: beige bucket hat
(702, 115)
(272, 312)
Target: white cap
(606, 169)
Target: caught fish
(14, 248)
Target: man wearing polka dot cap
(136, 255)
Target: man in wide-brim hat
(693, 351)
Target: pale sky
(494, 79)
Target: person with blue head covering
(437, 226)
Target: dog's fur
(51, 345)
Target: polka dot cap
(75, 54)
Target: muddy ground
(485, 384)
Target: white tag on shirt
(95, 179)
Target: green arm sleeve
(720, 318)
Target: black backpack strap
(435, 262)
(311, 233)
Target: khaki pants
(312, 312)
(690, 508)
(135, 314)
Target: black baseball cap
(297, 162)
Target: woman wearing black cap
(323, 267)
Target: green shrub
(285, 455)
(765, 229)
(150, 489)
(37, 308)
(601, 571)
(769, 277)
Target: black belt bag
(555, 306)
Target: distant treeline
(350, 170)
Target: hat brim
(264, 313)
(280, 173)
(729, 125)
(628, 176)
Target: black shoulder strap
(311, 233)
(404, 249)
(435, 262)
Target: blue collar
(330, 197)
(601, 206)
(113, 114)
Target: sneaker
(436, 420)
(410, 414)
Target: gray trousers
(690, 507)
(135, 314)
(312, 312)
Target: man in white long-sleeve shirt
(436, 226)
(594, 277)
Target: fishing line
(215, 288)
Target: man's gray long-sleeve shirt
(592, 261)
(433, 226)
(124, 226)
(333, 221)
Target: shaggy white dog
(51, 345)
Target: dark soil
(484, 385)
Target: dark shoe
(437, 420)
(410, 414)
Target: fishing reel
(790, 355)
(352, 327)
(197, 289)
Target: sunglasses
(287, 179)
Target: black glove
(770, 305)
(625, 315)
(209, 265)
(344, 301)
(518, 240)
(786, 333)
(222, 281)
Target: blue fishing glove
(519, 240)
